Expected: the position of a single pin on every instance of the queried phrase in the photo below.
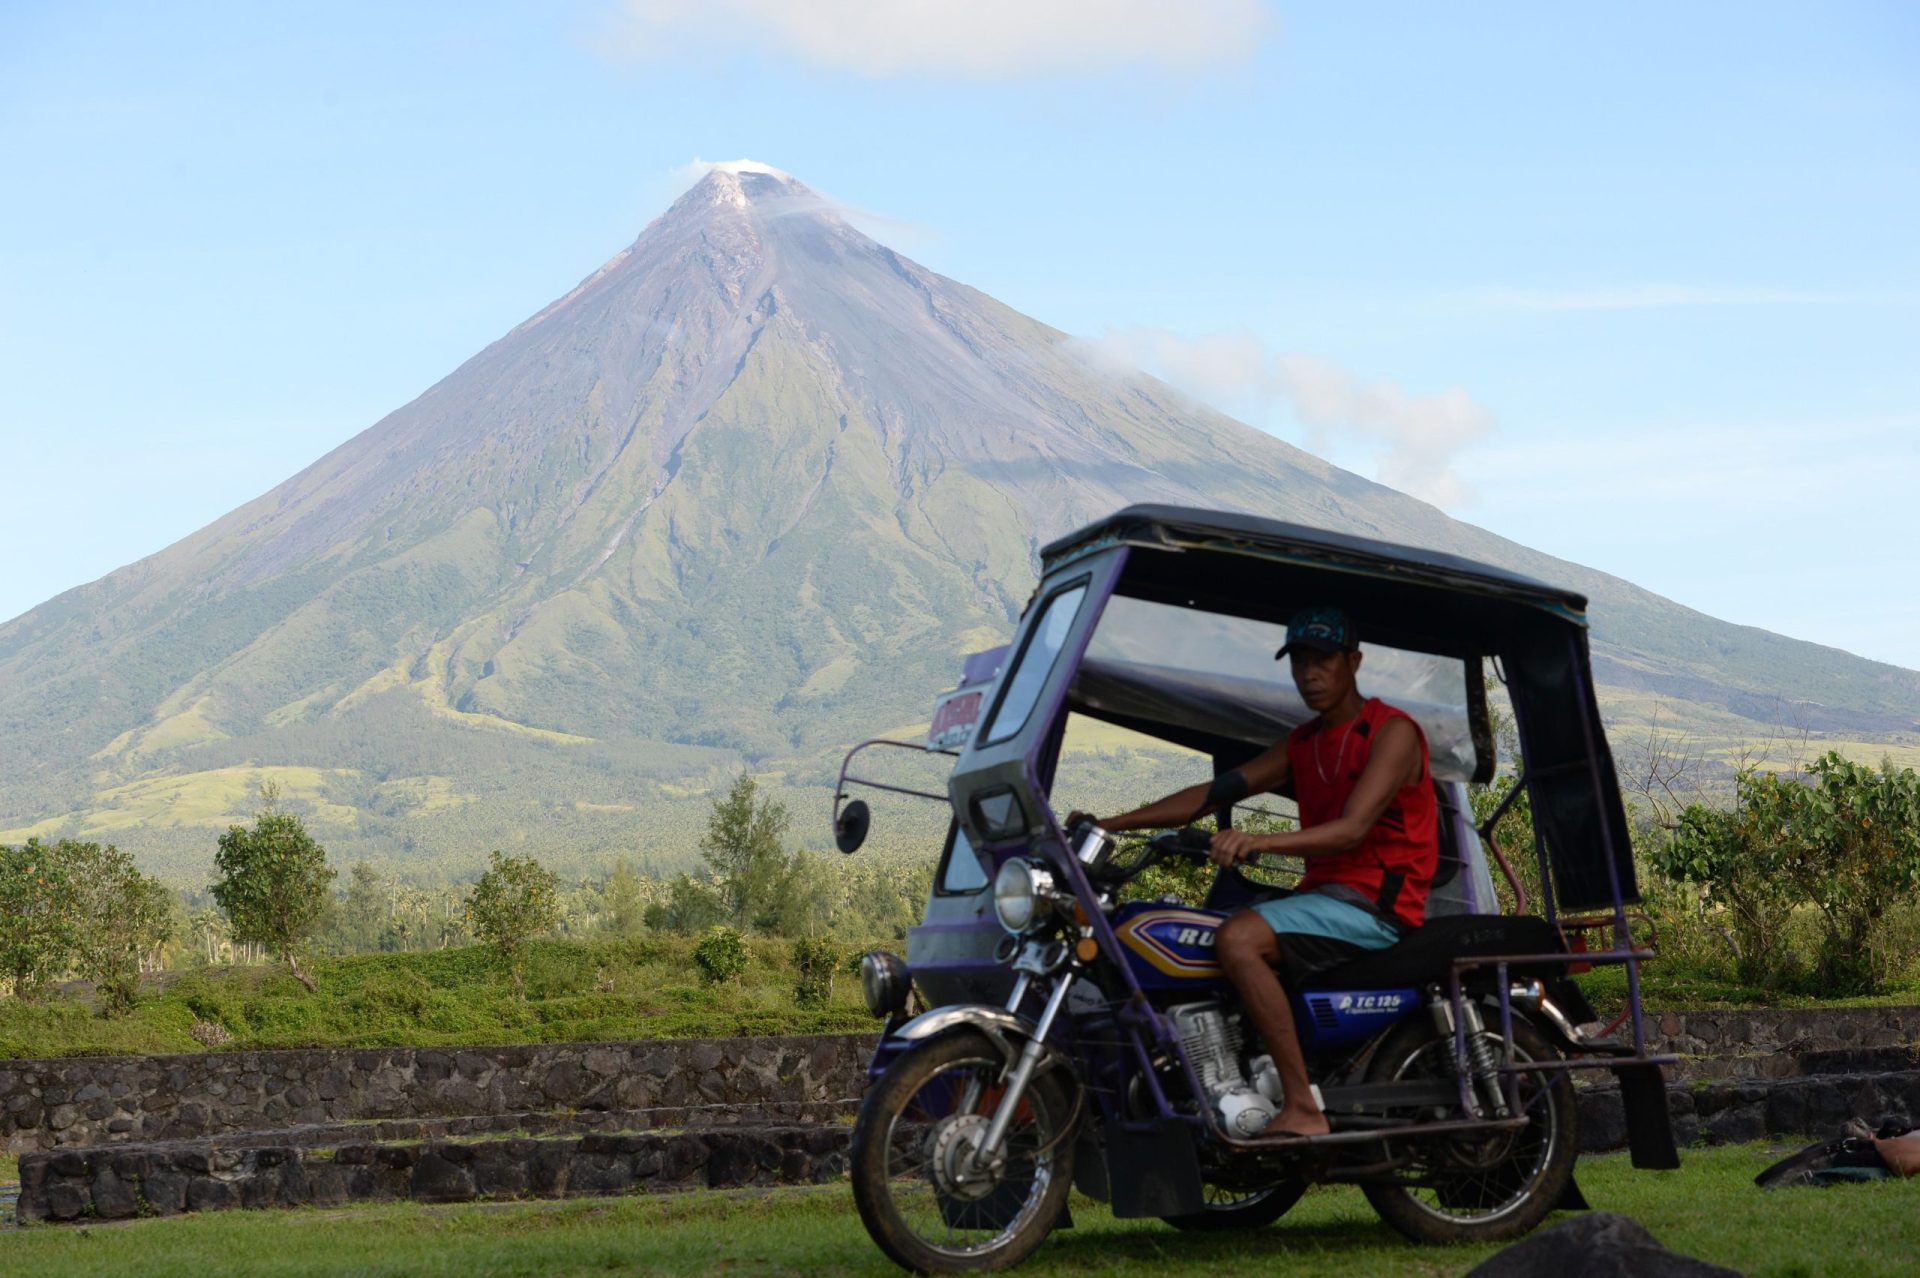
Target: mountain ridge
(742, 494)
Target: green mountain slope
(744, 494)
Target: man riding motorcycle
(1368, 833)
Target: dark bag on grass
(1862, 1154)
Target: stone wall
(1762, 1043)
(115, 1182)
(101, 1099)
(94, 1100)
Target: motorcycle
(1113, 1056)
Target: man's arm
(1395, 762)
(1268, 771)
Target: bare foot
(1298, 1122)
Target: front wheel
(925, 1198)
(1476, 1188)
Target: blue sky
(1638, 287)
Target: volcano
(742, 495)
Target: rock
(684, 1155)
(1600, 1244)
(1602, 1120)
(65, 1202)
(327, 1185)
(439, 1179)
(204, 1193)
(503, 1176)
(547, 1169)
(112, 1196)
(598, 1174)
(1737, 1125)
(68, 1162)
(566, 1083)
(730, 1161)
(165, 1191)
(657, 1064)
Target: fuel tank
(1169, 947)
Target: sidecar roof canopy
(1403, 597)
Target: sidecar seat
(1426, 954)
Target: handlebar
(1194, 845)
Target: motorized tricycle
(1069, 1036)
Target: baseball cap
(1321, 627)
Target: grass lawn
(1709, 1209)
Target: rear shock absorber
(1483, 1063)
(1484, 1060)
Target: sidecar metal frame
(1533, 634)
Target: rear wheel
(922, 1195)
(1231, 1209)
(1476, 1188)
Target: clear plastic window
(1159, 663)
(1029, 673)
(962, 874)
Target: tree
(691, 906)
(36, 916)
(120, 917)
(742, 845)
(625, 910)
(273, 884)
(365, 912)
(515, 899)
(812, 897)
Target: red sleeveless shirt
(1394, 865)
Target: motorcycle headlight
(885, 982)
(1022, 894)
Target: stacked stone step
(116, 1182)
(1781, 1095)
(1766, 1043)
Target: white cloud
(699, 168)
(1416, 439)
(965, 39)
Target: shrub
(1735, 865)
(1847, 843)
(814, 964)
(721, 955)
(1850, 843)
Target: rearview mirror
(850, 827)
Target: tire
(911, 1130)
(1230, 1211)
(1486, 1189)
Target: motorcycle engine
(1214, 1040)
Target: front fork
(1021, 1072)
